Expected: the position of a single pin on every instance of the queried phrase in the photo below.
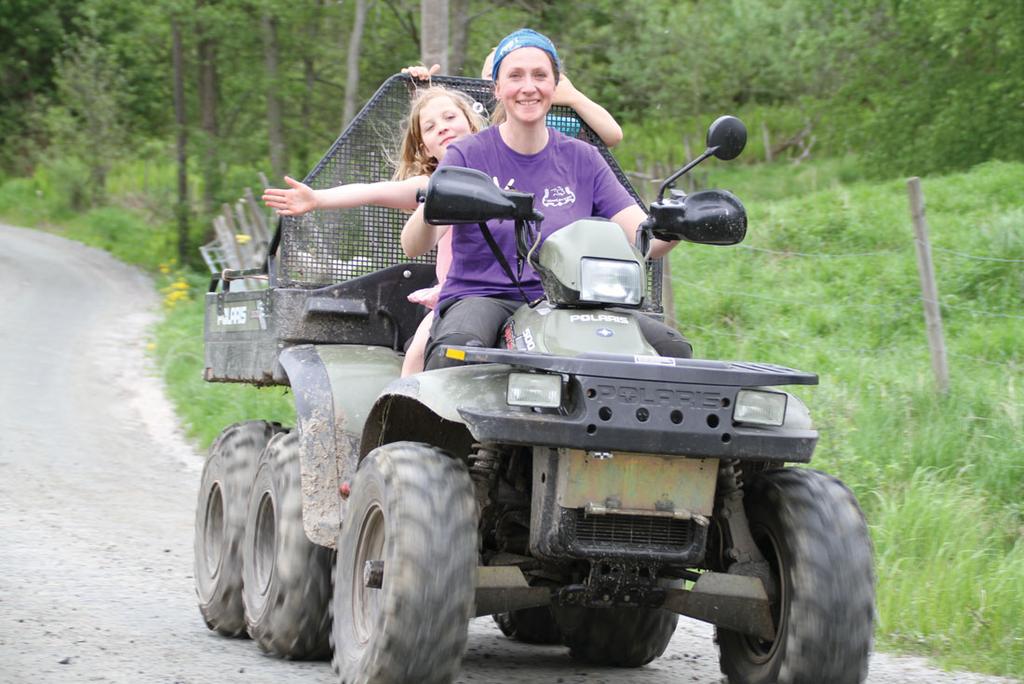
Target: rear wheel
(531, 625)
(811, 531)
(220, 523)
(405, 576)
(620, 637)
(287, 578)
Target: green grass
(826, 281)
(55, 197)
(206, 408)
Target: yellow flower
(242, 239)
(175, 292)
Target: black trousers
(477, 322)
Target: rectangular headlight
(610, 281)
(758, 407)
(543, 390)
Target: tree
(31, 36)
(86, 123)
(275, 124)
(355, 42)
(434, 33)
(181, 148)
(209, 96)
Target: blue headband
(521, 39)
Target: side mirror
(458, 195)
(708, 217)
(727, 136)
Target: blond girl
(437, 117)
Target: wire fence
(879, 252)
(789, 342)
(976, 257)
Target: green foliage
(124, 235)
(828, 282)
(30, 34)
(893, 87)
(931, 85)
(84, 123)
(928, 539)
(656, 147)
(22, 201)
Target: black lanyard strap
(502, 261)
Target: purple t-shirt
(569, 179)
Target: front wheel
(406, 570)
(287, 578)
(811, 531)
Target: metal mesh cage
(330, 246)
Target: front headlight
(543, 390)
(608, 281)
(758, 407)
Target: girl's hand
(420, 72)
(291, 202)
(565, 92)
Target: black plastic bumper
(616, 403)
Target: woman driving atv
(569, 179)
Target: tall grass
(136, 219)
(828, 282)
(55, 198)
(950, 572)
(207, 408)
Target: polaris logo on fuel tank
(660, 396)
(598, 318)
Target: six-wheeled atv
(574, 484)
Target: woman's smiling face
(526, 84)
(442, 123)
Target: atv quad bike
(574, 483)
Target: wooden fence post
(929, 292)
(260, 227)
(767, 142)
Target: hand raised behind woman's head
(565, 92)
(420, 72)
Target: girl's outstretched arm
(593, 114)
(418, 236)
(299, 198)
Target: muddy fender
(426, 407)
(335, 387)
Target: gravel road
(97, 493)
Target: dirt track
(97, 493)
